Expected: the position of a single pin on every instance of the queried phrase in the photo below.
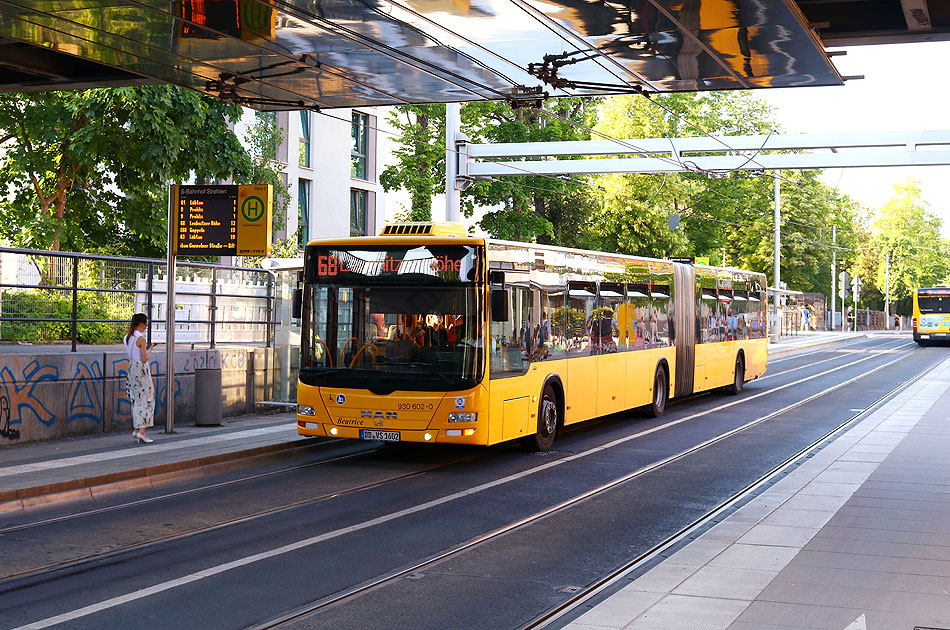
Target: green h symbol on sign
(252, 209)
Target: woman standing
(139, 380)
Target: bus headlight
(463, 416)
(305, 410)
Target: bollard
(208, 397)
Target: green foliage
(546, 209)
(282, 248)
(572, 318)
(56, 304)
(263, 139)
(420, 166)
(728, 218)
(906, 229)
(88, 170)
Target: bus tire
(548, 422)
(661, 392)
(738, 377)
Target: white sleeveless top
(130, 346)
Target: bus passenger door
(684, 327)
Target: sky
(904, 89)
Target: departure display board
(206, 220)
(223, 220)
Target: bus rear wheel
(548, 422)
(738, 377)
(660, 393)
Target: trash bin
(208, 397)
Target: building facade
(330, 162)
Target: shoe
(146, 439)
(135, 436)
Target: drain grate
(550, 453)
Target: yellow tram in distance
(426, 334)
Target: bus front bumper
(462, 435)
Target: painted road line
(877, 348)
(308, 542)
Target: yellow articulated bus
(426, 334)
(932, 315)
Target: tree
(420, 166)
(263, 139)
(729, 217)
(634, 214)
(907, 230)
(546, 209)
(89, 170)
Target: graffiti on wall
(5, 430)
(56, 395)
(21, 397)
(83, 401)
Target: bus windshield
(369, 324)
(933, 303)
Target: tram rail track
(258, 476)
(587, 593)
(382, 580)
(39, 571)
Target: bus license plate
(384, 436)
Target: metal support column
(148, 304)
(834, 275)
(778, 258)
(170, 320)
(213, 307)
(75, 326)
(887, 291)
(453, 126)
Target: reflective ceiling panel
(289, 54)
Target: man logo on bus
(340, 399)
(375, 413)
(460, 403)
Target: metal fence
(48, 297)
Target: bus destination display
(206, 220)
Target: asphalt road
(477, 538)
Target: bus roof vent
(444, 228)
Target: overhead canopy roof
(289, 54)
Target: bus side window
(580, 306)
(510, 340)
(553, 309)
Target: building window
(304, 145)
(360, 149)
(358, 205)
(303, 212)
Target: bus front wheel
(548, 421)
(660, 393)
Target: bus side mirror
(296, 304)
(499, 305)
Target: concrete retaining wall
(49, 396)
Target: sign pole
(170, 312)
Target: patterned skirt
(141, 393)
